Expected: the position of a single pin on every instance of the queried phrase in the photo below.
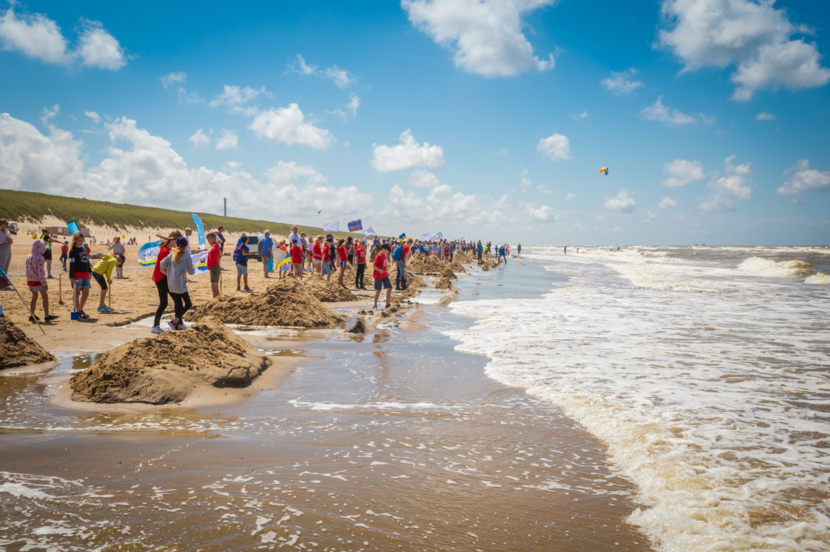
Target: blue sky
(427, 115)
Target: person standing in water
(566, 250)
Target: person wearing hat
(175, 267)
(381, 275)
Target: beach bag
(396, 255)
(238, 255)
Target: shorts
(100, 279)
(317, 262)
(241, 270)
(386, 283)
(47, 255)
(265, 257)
(35, 289)
(215, 272)
(82, 283)
(297, 267)
(120, 260)
(343, 264)
(326, 269)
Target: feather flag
(73, 227)
(200, 231)
(333, 226)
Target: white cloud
(228, 140)
(727, 189)
(200, 139)
(173, 78)
(423, 179)
(408, 153)
(526, 183)
(35, 36)
(189, 97)
(441, 205)
(667, 203)
(622, 203)
(97, 48)
(287, 125)
(543, 189)
(38, 37)
(764, 116)
(233, 164)
(682, 172)
(570, 197)
(650, 216)
(486, 35)
(542, 213)
(804, 179)
(341, 77)
(754, 35)
(555, 147)
(49, 113)
(233, 96)
(94, 116)
(354, 103)
(580, 116)
(620, 83)
(672, 117)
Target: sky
(487, 119)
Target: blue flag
(200, 231)
(73, 227)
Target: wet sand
(392, 440)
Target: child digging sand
(102, 272)
(36, 280)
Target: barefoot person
(360, 259)
(214, 257)
(102, 272)
(176, 267)
(79, 274)
(344, 261)
(160, 279)
(36, 280)
(296, 252)
(317, 255)
(265, 247)
(381, 275)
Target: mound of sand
(285, 303)
(457, 267)
(18, 350)
(444, 283)
(168, 368)
(517, 256)
(489, 264)
(412, 279)
(448, 273)
(463, 257)
(423, 264)
(327, 292)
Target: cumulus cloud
(580, 116)
(170, 79)
(408, 153)
(441, 205)
(354, 103)
(343, 78)
(725, 190)
(555, 147)
(38, 37)
(622, 83)
(672, 117)
(92, 115)
(667, 203)
(804, 179)
(200, 139)
(526, 183)
(542, 213)
(486, 35)
(570, 197)
(754, 35)
(622, 202)
(234, 96)
(543, 189)
(682, 172)
(149, 172)
(287, 125)
(423, 179)
(49, 113)
(764, 116)
(228, 140)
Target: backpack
(238, 255)
(396, 255)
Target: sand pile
(457, 267)
(166, 369)
(517, 256)
(448, 273)
(285, 303)
(412, 279)
(18, 350)
(423, 264)
(463, 257)
(327, 292)
(443, 283)
(489, 264)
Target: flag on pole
(4, 280)
(356, 226)
(200, 231)
(73, 227)
(332, 226)
(402, 237)
(426, 237)
(369, 232)
(200, 262)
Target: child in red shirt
(360, 260)
(296, 253)
(213, 259)
(381, 275)
(344, 261)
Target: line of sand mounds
(18, 350)
(463, 257)
(448, 273)
(444, 283)
(489, 264)
(325, 291)
(412, 279)
(425, 264)
(285, 303)
(167, 368)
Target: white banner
(426, 237)
(369, 232)
(332, 226)
(200, 262)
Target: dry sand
(167, 368)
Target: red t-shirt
(316, 252)
(380, 263)
(325, 253)
(361, 255)
(296, 254)
(446, 250)
(213, 256)
(64, 249)
(405, 251)
(157, 275)
(342, 251)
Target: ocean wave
(772, 269)
(819, 278)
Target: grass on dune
(32, 206)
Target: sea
(704, 370)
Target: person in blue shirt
(502, 255)
(479, 250)
(265, 251)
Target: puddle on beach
(393, 442)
